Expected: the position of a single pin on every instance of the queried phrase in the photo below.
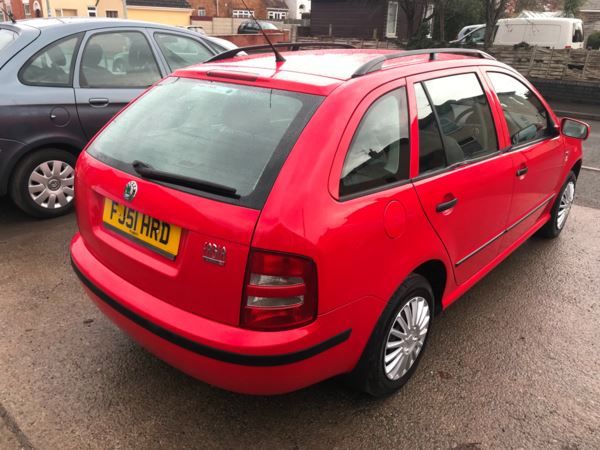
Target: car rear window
(226, 134)
(6, 37)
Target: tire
(370, 374)
(42, 183)
(560, 209)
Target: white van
(555, 32)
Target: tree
(460, 13)
(494, 9)
(415, 12)
(571, 7)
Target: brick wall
(226, 8)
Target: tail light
(280, 291)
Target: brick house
(590, 14)
(362, 19)
(21, 9)
(262, 9)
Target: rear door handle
(441, 207)
(98, 102)
(522, 171)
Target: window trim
(93, 34)
(210, 50)
(74, 58)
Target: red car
(266, 224)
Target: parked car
(466, 30)
(475, 36)
(61, 81)
(251, 27)
(555, 32)
(324, 212)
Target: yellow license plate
(152, 233)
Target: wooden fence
(551, 64)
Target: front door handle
(444, 206)
(522, 171)
(98, 102)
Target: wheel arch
(577, 168)
(436, 273)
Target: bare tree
(494, 9)
(415, 12)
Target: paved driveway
(514, 363)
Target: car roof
(319, 71)
(75, 24)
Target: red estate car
(266, 224)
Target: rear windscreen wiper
(150, 173)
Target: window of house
(91, 11)
(181, 51)
(112, 14)
(51, 66)
(525, 115)
(242, 14)
(27, 9)
(118, 60)
(201, 12)
(379, 153)
(276, 15)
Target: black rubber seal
(211, 352)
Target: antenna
(10, 15)
(278, 56)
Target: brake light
(280, 291)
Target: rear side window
(118, 60)
(6, 37)
(526, 117)
(227, 134)
(53, 65)
(379, 153)
(180, 51)
(577, 32)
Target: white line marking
(595, 169)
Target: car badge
(214, 253)
(130, 191)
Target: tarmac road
(514, 364)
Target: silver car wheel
(51, 184)
(566, 201)
(406, 337)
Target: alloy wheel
(51, 184)
(406, 337)
(566, 201)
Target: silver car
(61, 80)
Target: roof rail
(291, 46)
(376, 64)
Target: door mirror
(575, 129)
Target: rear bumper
(229, 357)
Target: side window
(526, 117)
(118, 60)
(431, 150)
(52, 66)
(465, 118)
(379, 153)
(181, 51)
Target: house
(20, 9)
(590, 14)
(362, 19)
(83, 8)
(168, 12)
(262, 9)
(297, 8)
